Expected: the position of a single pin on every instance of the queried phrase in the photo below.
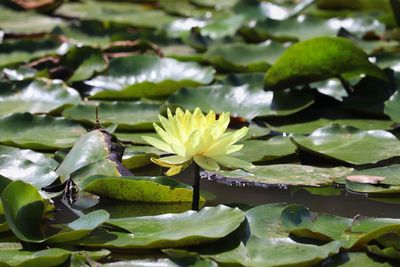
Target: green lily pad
(350, 232)
(113, 12)
(319, 59)
(244, 101)
(355, 259)
(95, 151)
(85, 61)
(38, 131)
(79, 228)
(276, 252)
(23, 208)
(128, 115)
(302, 28)
(139, 156)
(138, 189)
(389, 253)
(16, 22)
(244, 57)
(37, 96)
(222, 27)
(169, 230)
(134, 137)
(309, 127)
(260, 150)
(350, 144)
(392, 107)
(22, 51)
(26, 165)
(139, 76)
(285, 174)
(48, 257)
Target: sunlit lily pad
(284, 174)
(22, 51)
(350, 232)
(350, 144)
(261, 150)
(137, 188)
(37, 96)
(138, 156)
(27, 165)
(124, 13)
(392, 107)
(16, 22)
(319, 59)
(128, 115)
(310, 126)
(244, 57)
(94, 153)
(244, 101)
(47, 257)
(39, 132)
(139, 76)
(169, 230)
(306, 27)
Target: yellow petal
(206, 163)
(158, 143)
(164, 136)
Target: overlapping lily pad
(38, 131)
(244, 101)
(169, 230)
(37, 96)
(284, 174)
(350, 144)
(27, 165)
(244, 57)
(139, 76)
(128, 115)
(137, 188)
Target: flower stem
(196, 188)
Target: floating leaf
(37, 96)
(169, 230)
(285, 174)
(39, 132)
(310, 126)
(244, 101)
(244, 57)
(139, 76)
(350, 144)
(319, 59)
(260, 150)
(21, 51)
(97, 152)
(392, 107)
(26, 165)
(128, 115)
(139, 189)
(139, 156)
(124, 13)
(16, 22)
(350, 232)
(48, 257)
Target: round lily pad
(128, 115)
(350, 144)
(38, 131)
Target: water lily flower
(198, 137)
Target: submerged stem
(196, 188)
